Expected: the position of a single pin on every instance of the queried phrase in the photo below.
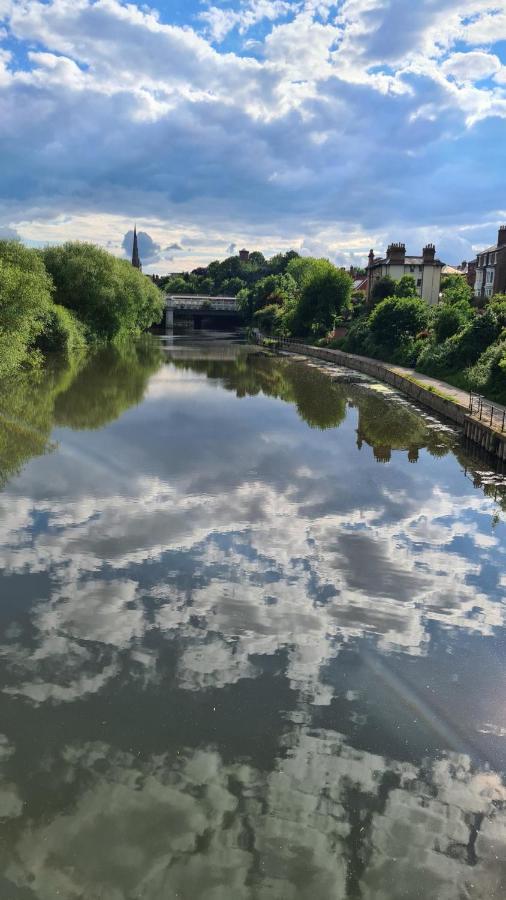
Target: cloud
(149, 250)
(289, 145)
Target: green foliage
(488, 375)
(25, 302)
(462, 349)
(406, 287)
(268, 318)
(230, 276)
(108, 295)
(62, 332)
(324, 291)
(397, 318)
(498, 307)
(455, 289)
(383, 288)
(448, 319)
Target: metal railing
(487, 412)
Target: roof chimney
(429, 254)
(501, 236)
(371, 257)
(396, 253)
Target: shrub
(397, 318)
(449, 319)
(462, 349)
(488, 375)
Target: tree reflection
(83, 392)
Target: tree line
(63, 298)
(285, 295)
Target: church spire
(136, 261)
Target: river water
(253, 636)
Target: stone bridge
(200, 308)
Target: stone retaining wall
(478, 432)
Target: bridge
(201, 309)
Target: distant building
(491, 268)
(136, 260)
(244, 255)
(466, 269)
(425, 269)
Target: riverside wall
(484, 436)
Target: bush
(488, 375)
(109, 295)
(62, 332)
(462, 349)
(449, 319)
(396, 318)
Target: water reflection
(258, 663)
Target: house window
(419, 282)
(411, 268)
(490, 276)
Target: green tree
(110, 296)
(382, 288)
(406, 287)
(455, 289)
(25, 302)
(398, 318)
(324, 291)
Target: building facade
(491, 268)
(425, 269)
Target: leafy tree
(455, 289)
(25, 302)
(406, 287)
(397, 318)
(323, 292)
(257, 258)
(382, 288)
(110, 296)
(231, 286)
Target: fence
(487, 412)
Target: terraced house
(491, 268)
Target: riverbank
(442, 398)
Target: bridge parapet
(195, 302)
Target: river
(253, 636)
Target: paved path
(443, 387)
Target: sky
(325, 127)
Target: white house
(425, 269)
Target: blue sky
(327, 127)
